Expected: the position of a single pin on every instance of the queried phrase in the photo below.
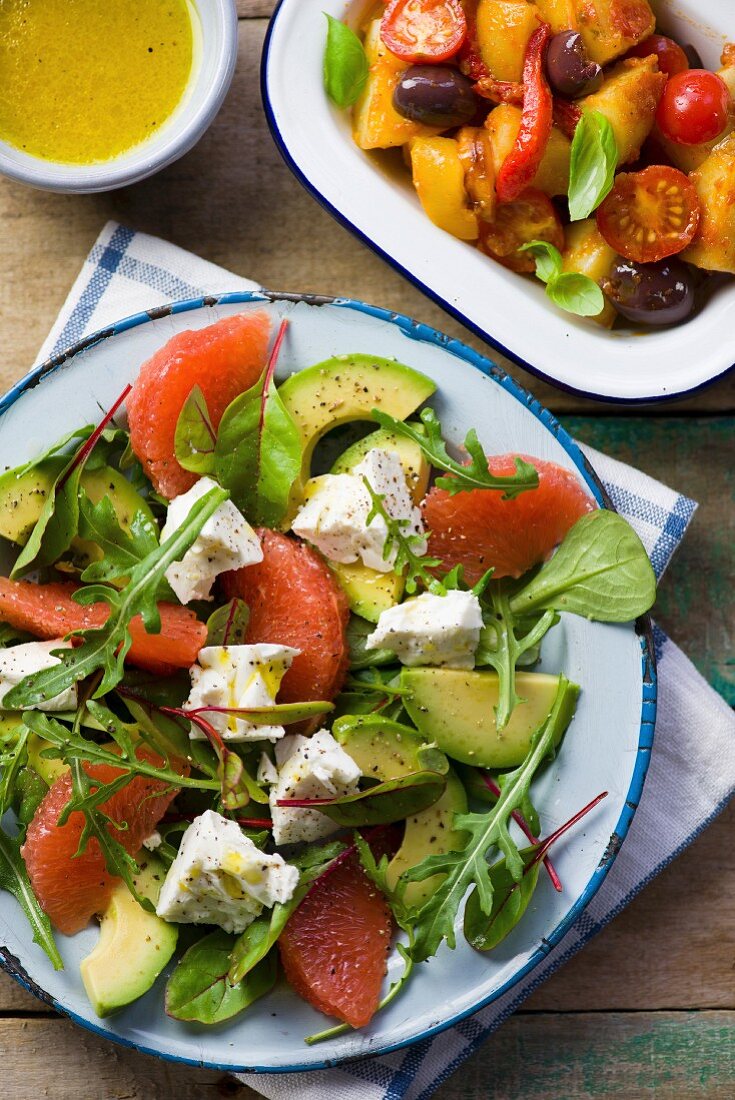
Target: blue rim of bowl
(414, 330)
(117, 172)
(453, 311)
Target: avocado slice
(346, 388)
(134, 946)
(22, 499)
(48, 768)
(386, 750)
(455, 709)
(369, 592)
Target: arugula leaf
(570, 290)
(78, 435)
(473, 475)
(199, 990)
(386, 802)
(258, 453)
(14, 879)
(228, 624)
(12, 761)
(30, 791)
(503, 644)
(410, 549)
(105, 647)
(345, 64)
(600, 571)
(434, 921)
(594, 158)
(122, 550)
(259, 937)
(195, 435)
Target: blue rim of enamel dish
(453, 311)
(414, 330)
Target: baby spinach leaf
(198, 990)
(105, 647)
(195, 435)
(594, 158)
(345, 64)
(228, 624)
(360, 656)
(600, 571)
(14, 879)
(382, 804)
(466, 476)
(122, 550)
(258, 452)
(435, 920)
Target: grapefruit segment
(223, 359)
(48, 611)
(478, 529)
(294, 600)
(71, 890)
(335, 947)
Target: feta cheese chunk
(334, 516)
(239, 676)
(220, 877)
(431, 630)
(309, 767)
(19, 661)
(226, 541)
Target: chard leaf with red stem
(382, 804)
(195, 435)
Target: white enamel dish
(607, 747)
(509, 311)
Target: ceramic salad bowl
(607, 748)
(513, 314)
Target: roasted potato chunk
(608, 27)
(503, 30)
(588, 253)
(438, 176)
(552, 177)
(713, 247)
(628, 99)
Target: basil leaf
(576, 293)
(345, 64)
(198, 989)
(14, 879)
(228, 624)
(548, 259)
(195, 435)
(594, 158)
(258, 454)
(600, 571)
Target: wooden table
(648, 1009)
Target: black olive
(435, 95)
(569, 69)
(654, 294)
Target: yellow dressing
(82, 81)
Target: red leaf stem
(89, 444)
(523, 825)
(270, 370)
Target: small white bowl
(215, 55)
(511, 312)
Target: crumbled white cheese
(155, 840)
(431, 630)
(240, 676)
(19, 661)
(226, 541)
(334, 515)
(309, 767)
(267, 771)
(220, 877)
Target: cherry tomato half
(649, 215)
(671, 57)
(694, 107)
(530, 217)
(424, 30)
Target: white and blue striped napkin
(692, 770)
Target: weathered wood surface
(614, 1021)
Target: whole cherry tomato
(694, 107)
(671, 57)
(649, 215)
(424, 30)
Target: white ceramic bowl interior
(509, 311)
(215, 55)
(607, 747)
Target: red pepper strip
(499, 91)
(522, 163)
(566, 116)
